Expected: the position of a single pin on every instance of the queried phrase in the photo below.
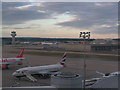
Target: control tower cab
(13, 34)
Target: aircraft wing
(50, 73)
(30, 77)
(100, 73)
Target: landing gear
(19, 63)
(44, 76)
(19, 78)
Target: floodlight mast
(84, 35)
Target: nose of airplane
(14, 74)
(22, 59)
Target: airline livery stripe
(64, 56)
(4, 60)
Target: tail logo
(63, 59)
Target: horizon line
(59, 38)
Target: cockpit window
(18, 71)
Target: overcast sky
(60, 19)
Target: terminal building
(105, 45)
(68, 44)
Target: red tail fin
(20, 55)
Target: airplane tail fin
(20, 55)
(63, 59)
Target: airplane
(5, 62)
(44, 71)
(108, 74)
(92, 81)
(108, 80)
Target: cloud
(96, 17)
(30, 6)
(64, 18)
(17, 13)
(16, 28)
(41, 11)
(91, 15)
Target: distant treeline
(43, 39)
(34, 39)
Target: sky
(60, 19)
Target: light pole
(84, 35)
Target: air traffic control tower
(13, 34)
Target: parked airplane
(92, 81)
(45, 71)
(5, 62)
(108, 80)
(108, 74)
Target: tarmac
(73, 64)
